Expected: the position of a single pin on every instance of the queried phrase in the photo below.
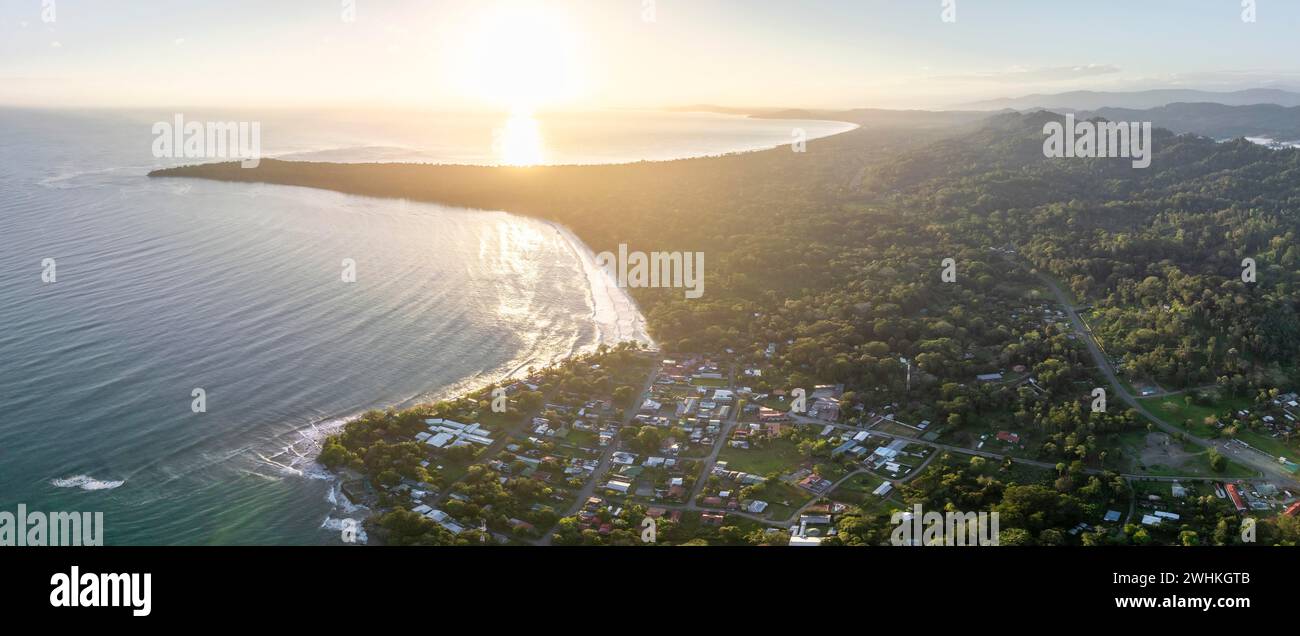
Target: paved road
(998, 456)
(598, 475)
(718, 444)
(1256, 460)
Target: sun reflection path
(519, 141)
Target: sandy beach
(616, 315)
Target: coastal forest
(836, 256)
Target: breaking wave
(86, 482)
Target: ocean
(162, 287)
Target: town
(702, 449)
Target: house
(1150, 520)
(444, 433)
(1009, 437)
(758, 506)
(883, 489)
(1111, 516)
(1237, 501)
(989, 377)
(443, 519)
(816, 484)
(712, 518)
(1293, 509)
(796, 540)
(843, 448)
(888, 453)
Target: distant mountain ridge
(1156, 98)
(860, 116)
(1280, 123)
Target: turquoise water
(164, 286)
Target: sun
(519, 58)
(519, 141)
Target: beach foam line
(86, 482)
(617, 317)
(337, 525)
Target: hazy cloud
(1027, 75)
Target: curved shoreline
(615, 318)
(612, 307)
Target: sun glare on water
(519, 141)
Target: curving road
(1256, 460)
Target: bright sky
(523, 54)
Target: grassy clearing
(778, 456)
(1267, 444)
(1176, 410)
(717, 383)
(857, 489)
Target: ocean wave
(337, 499)
(85, 482)
(90, 178)
(615, 314)
(339, 525)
